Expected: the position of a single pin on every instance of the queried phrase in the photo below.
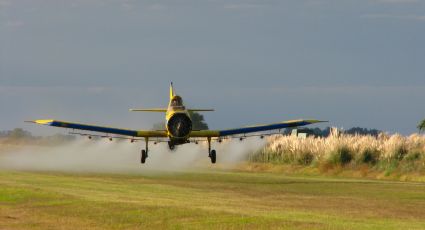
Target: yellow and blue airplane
(178, 128)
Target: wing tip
(41, 122)
(316, 121)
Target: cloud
(395, 16)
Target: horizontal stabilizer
(158, 110)
(200, 110)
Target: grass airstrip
(206, 200)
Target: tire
(171, 146)
(143, 157)
(213, 156)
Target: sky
(352, 62)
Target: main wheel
(171, 146)
(213, 156)
(143, 156)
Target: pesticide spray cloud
(84, 155)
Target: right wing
(252, 129)
(267, 127)
(102, 129)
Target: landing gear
(213, 156)
(171, 146)
(143, 156)
(144, 152)
(211, 153)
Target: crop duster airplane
(178, 128)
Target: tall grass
(384, 152)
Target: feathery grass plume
(383, 152)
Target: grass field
(208, 199)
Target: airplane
(178, 130)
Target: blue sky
(355, 63)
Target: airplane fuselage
(178, 122)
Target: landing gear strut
(211, 153)
(144, 152)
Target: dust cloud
(83, 155)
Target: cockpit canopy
(177, 102)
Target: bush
(341, 156)
(368, 156)
(305, 158)
(413, 156)
(399, 152)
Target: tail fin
(171, 91)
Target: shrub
(341, 156)
(305, 158)
(413, 156)
(368, 156)
(399, 152)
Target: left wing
(102, 129)
(252, 129)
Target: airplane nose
(179, 125)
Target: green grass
(206, 200)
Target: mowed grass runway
(206, 200)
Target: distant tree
(198, 122)
(363, 131)
(421, 126)
(317, 132)
(18, 133)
